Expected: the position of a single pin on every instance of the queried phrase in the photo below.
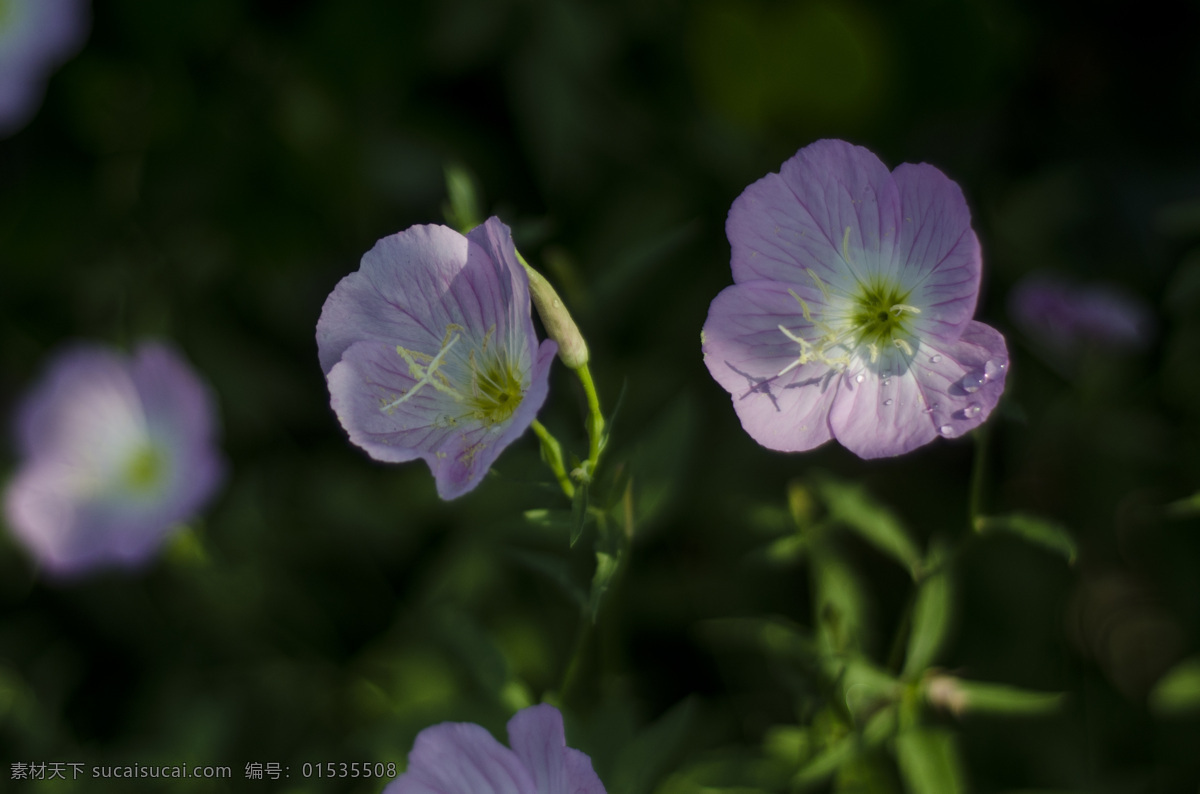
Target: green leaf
(853, 507)
(840, 603)
(607, 566)
(579, 512)
(462, 207)
(931, 616)
(661, 459)
(1037, 531)
(826, 762)
(1178, 692)
(975, 697)
(655, 750)
(930, 762)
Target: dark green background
(205, 171)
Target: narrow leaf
(606, 568)
(931, 617)
(853, 507)
(930, 762)
(974, 697)
(1038, 531)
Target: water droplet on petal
(887, 381)
(934, 359)
(945, 430)
(971, 411)
(992, 368)
(971, 382)
(887, 401)
(859, 378)
(932, 408)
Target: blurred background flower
(1067, 316)
(35, 37)
(115, 453)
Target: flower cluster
(116, 452)
(429, 351)
(463, 758)
(850, 316)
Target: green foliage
(853, 507)
(932, 613)
(1178, 692)
(930, 761)
(1037, 531)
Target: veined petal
(429, 351)
(412, 286)
(461, 758)
(833, 208)
(963, 381)
(880, 415)
(536, 736)
(937, 254)
(745, 351)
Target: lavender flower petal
(461, 758)
(745, 352)
(429, 351)
(937, 250)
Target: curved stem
(595, 420)
(552, 454)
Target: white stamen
(425, 374)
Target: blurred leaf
(1038, 531)
(775, 636)
(930, 761)
(554, 568)
(1183, 508)
(853, 507)
(579, 512)
(840, 604)
(550, 519)
(661, 459)
(960, 697)
(825, 763)
(1178, 692)
(655, 750)
(864, 685)
(607, 566)
(463, 209)
(931, 616)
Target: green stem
(552, 454)
(595, 421)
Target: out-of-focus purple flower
(35, 37)
(116, 451)
(850, 312)
(1067, 316)
(463, 758)
(429, 351)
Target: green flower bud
(557, 320)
